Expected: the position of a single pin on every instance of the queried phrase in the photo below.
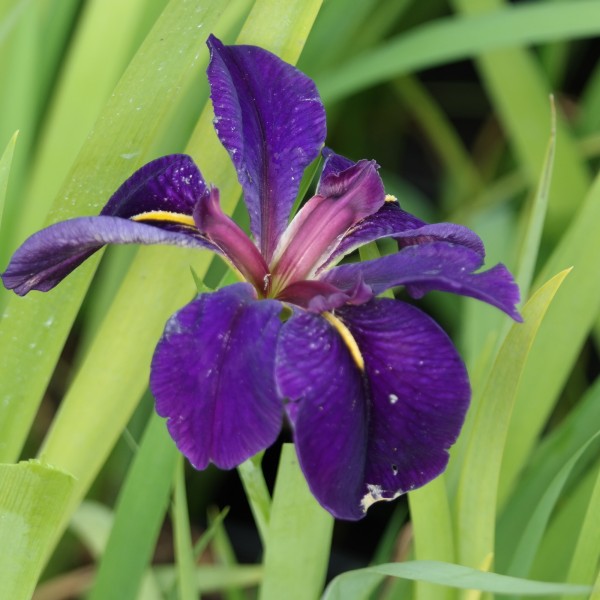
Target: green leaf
(138, 516)
(568, 322)
(184, 553)
(299, 537)
(477, 491)
(432, 532)
(251, 474)
(584, 561)
(348, 586)
(525, 551)
(32, 498)
(5, 163)
(549, 458)
(519, 91)
(92, 523)
(216, 578)
(101, 48)
(451, 39)
(537, 212)
(35, 328)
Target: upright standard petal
(49, 255)
(377, 395)
(433, 266)
(347, 198)
(212, 376)
(224, 232)
(270, 118)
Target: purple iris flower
(373, 388)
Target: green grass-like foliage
(98, 87)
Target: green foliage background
(453, 99)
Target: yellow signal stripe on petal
(165, 215)
(348, 339)
(390, 198)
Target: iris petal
(433, 266)
(419, 394)
(171, 183)
(212, 376)
(270, 118)
(232, 239)
(349, 196)
(49, 255)
(389, 221)
(364, 436)
(316, 373)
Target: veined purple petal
(389, 220)
(353, 194)
(269, 117)
(319, 296)
(171, 184)
(433, 266)
(334, 164)
(49, 255)
(223, 231)
(371, 431)
(213, 376)
(327, 408)
(419, 394)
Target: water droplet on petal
(393, 398)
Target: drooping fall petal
(213, 376)
(49, 255)
(433, 266)
(375, 401)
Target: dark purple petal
(388, 221)
(319, 296)
(391, 221)
(353, 194)
(334, 165)
(49, 255)
(169, 184)
(212, 376)
(433, 266)
(419, 394)
(371, 427)
(269, 117)
(223, 231)
(316, 373)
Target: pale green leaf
(32, 498)
(349, 586)
(34, 328)
(5, 164)
(477, 491)
(299, 537)
(251, 474)
(138, 516)
(432, 530)
(568, 322)
(184, 553)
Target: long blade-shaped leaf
(32, 497)
(476, 497)
(349, 585)
(299, 537)
(34, 329)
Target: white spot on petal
(376, 494)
